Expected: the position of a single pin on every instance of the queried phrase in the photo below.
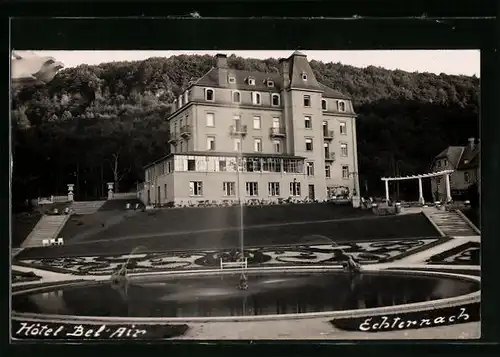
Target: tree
(109, 120)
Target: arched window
(209, 94)
(275, 100)
(323, 104)
(341, 106)
(236, 97)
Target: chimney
(472, 143)
(221, 60)
(285, 72)
(221, 65)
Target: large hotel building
(252, 135)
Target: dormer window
(256, 99)
(304, 76)
(232, 80)
(341, 106)
(323, 105)
(209, 94)
(236, 97)
(270, 83)
(251, 81)
(275, 100)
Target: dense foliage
(95, 124)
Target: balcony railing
(277, 132)
(329, 156)
(173, 138)
(238, 130)
(185, 131)
(328, 134)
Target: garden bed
(23, 277)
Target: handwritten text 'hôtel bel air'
(78, 331)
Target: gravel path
(319, 329)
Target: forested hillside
(95, 124)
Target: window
(195, 188)
(445, 162)
(310, 168)
(256, 98)
(307, 101)
(180, 101)
(252, 188)
(341, 106)
(466, 177)
(326, 147)
(237, 144)
(275, 100)
(236, 97)
(345, 172)
(256, 122)
(257, 145)
(232, 80)
(210, 142)
(181, 146)
(210, 119)
(209, 94)
(307, 122)
(343, 128)
(270, 83)
(323, 104)
(309, 144)
(274, 188)
(294, 188)
(251, 81)
(252, 165)
(328, 171)
(343, 150)
(222, 165)
(277, 146)
(191, 165)
(304, 76)
(229, 188)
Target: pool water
(268, 294)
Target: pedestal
(356, 201)
(70, 191)
(110, 190)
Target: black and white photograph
(288, 194)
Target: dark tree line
(97, 124)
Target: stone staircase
(451, 223)
(48, 227)
(86, 207)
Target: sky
(458, 62)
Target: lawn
(347, 229)
(22, 225)
(197, 219)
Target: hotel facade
(252, 135)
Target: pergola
(445, 173)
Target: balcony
(173, 138)
(186, 131)
(238, 130)
(329, 156)
(277, 132)
(328, 134)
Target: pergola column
(420, 192)
(387, 190)
(448, 188)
